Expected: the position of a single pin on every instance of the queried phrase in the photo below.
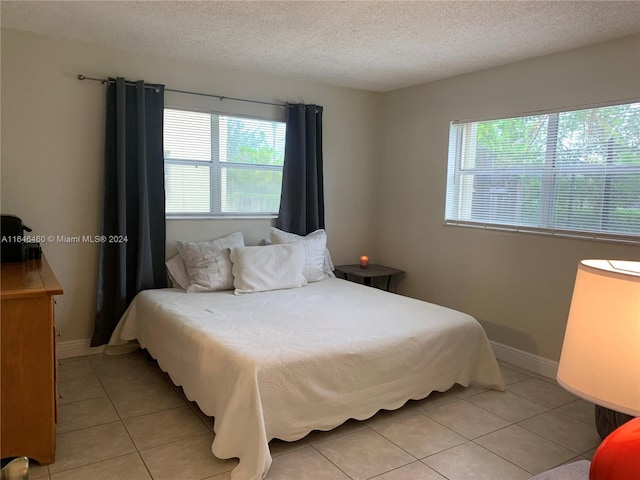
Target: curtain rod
(220, 97)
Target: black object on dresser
(12, 248)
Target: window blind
(222, 165)
(573, 172)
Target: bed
(279, 364)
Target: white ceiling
(378, 46)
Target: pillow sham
(178, 276)
(318, 265)
(208, 263)
(271, 267)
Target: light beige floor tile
(515, 368)
(304, 464)
(578, 459)
(77, 389)
(413, 471)
(220, 476)
(37, 471)
(413, 406)
(588, 455)
(167, 379)
(572, 434)
(127, 372)
(579, 410)
(178, 389)
(507, 405)
(418, 435)
(549, 380)
(511, 375)
(90, 445)
(133, 403)
(436, 399)
(111, 364)
(136, 378)
(138, 387)
(129, 467)
(409, 408)
(364, 454)
(279, 447)
(472, 462)
(466, 392)
(74, 368)
(85, 413)
(204, 418)
(346, 428)
(525, 449)
(542, 392)
(189, 459)
(164, 427)
(466, 419)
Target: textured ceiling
(378, 46)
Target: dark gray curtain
(302, 199)
(132, 252)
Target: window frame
(549, 173)
(215, 168)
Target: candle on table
(364, 261)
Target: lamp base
(618, 456)
(608, 420)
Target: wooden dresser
(28, 411)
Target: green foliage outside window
(248, 187)
(582, 166)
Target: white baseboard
(77, 348)
(526, 360)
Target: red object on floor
(618, 456)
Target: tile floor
(121, 418)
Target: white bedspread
(280, 364)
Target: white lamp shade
(600, 358)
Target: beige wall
(52, 143)
(519, 286)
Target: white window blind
(222, 165)
(573, 173)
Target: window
(573, 173)
(220, 165)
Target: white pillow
(208, 263)
(328, 264)
(318, 265)
(177, 272)
(272, 267)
